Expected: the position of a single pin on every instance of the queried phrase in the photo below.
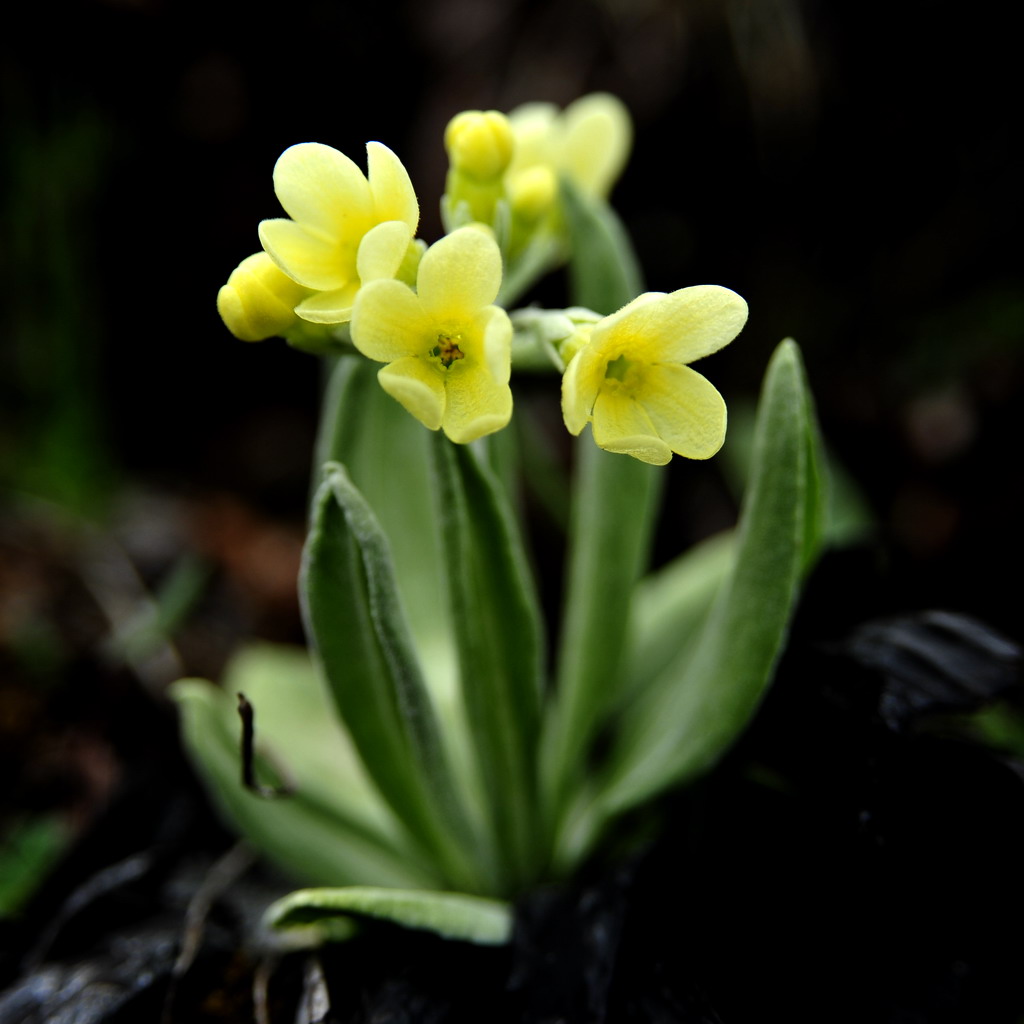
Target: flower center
(447, 349)
(624, 376)
(617, 368)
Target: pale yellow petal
(621, 425)
(588, 368)
(419, 385)
(576, 403)
(682, 326)
(382, 251)
(476, 404)
(537, 135)
(393, 194)
(312, 259)
(493, 328)
(598, 135)
(334, 307)
(606, 332)
(687, 411)
(388, 322)
(460, 274)
(324, 190)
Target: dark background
(845, 166)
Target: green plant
(435, 768)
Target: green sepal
(455, 213)
(319, 339)
(357, 628)
(537, 335)
(700, 703)
(451, 915)
(497, 619)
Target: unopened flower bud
(259, 300)
(532, 192)
(479, 143)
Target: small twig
(248, 715)
(221, 876)
(224, 873)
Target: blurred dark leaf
(934, 661)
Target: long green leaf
(693, 713)
(309, 841)
(386, 453)
(450, 915)
(333, 828)
(498, 632)
(615, 498)
(356, 624)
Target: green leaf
(498, 632)
(334, 828)
(603, 269)
(451, 915)
(847, 517)
(615, 500)
(357, 626)
(701, 702)
(364, 429)
(670, 606)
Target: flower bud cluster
(504, 170)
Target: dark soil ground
(856, 857)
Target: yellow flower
(344, 227)
(447, 348)
(258, 302)
(631, 382)
(589, 141)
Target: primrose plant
(431, 758)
